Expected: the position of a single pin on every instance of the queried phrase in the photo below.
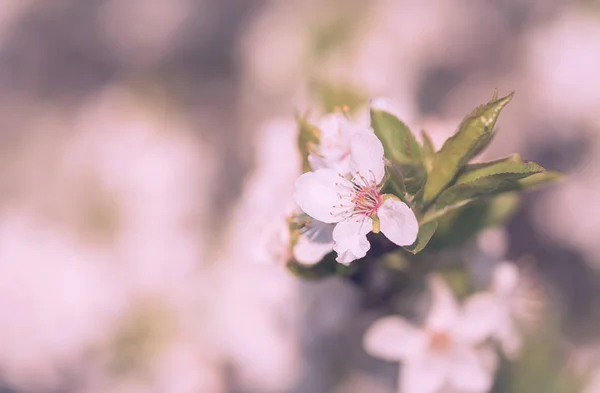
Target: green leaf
(474, 134)
(485, 180)
(495, 95)
(511, 167)
(458, 226)
(405, 178)
(479, 165)
(426, 232)
(308, 137)
(539, 179)
(395, 180)
(414, 178)
(458, 196)
(533, 181)
(398, 141)
(427, 150)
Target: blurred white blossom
(513, 304)
(563, 57)
(447, 352)
(554, 211)
(253, 324)
(260, 220)
(271, 75)
(333, 150)
(150, 171)
(156, 349)
(59, 300)
(143, 36)
(122, 220)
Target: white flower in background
(59, 295)
(259, 221)
(254, 324)
(444, 354)
(511, 305)
(333, 151)
(352, 201)
(315, 240)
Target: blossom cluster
(378, 177)
(360, 179)
(454, 349)
(342, 196)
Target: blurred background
(147, 157)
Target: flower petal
(317, 162)
(331, 125)
(350, 236)
(510, 339)
(366, 155)
(482, 316)
(472, 369)
(426, 375)
(334, 126)
(398, 222)
(443, 312)
(329, 160)
(392, 338)
(316, 194)
(314, 243)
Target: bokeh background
(147, 152)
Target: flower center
(358, 195)
(439, 341)
(367, 200)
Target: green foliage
(427, 151)
(539, 179)
(394, 180)
(405, 179)
(473, 135)
(446, 192)
(452, 198)
(460, 225)
(398, 141)
(487, 179)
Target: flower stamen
(360, 195)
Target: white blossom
(315, 239)
(511, 305)
(333, 150)
(351, 201)
(446, 353)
